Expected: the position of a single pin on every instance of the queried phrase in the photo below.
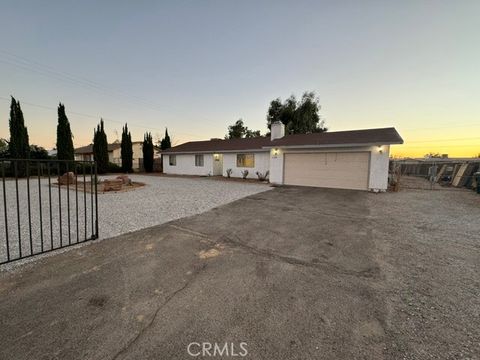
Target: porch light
(216, 156)
(380, 149)
(275, 151)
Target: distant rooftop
(89, 148)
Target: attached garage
(345, 170)
(355, 159)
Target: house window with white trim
(199, 160)
(172, 160)
(246, 160)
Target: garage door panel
(348, 170)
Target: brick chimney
(277, 130)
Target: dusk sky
(197, 66)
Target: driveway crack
(157, 311)
(271, 254)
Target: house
(85, 153)
(355, 159)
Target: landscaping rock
(125, 179)
(112, 184)
(67, 178)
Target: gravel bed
(162, 199)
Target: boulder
(125, 179)
(67, 178)
(112, 184)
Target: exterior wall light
(275, 152)
(380, 149)
(216, 156)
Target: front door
(217, 164)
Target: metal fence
(47, 205)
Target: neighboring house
(85, 153)
(343, 159)
(52, 152)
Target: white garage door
(345, 170)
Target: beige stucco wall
(116, 155)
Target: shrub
(244, 174)
(79, 169)
(263, 177)
(229, 173)
(114, 168)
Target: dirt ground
(295, 273)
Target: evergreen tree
(148, 152)
(126, 150)
(64, 138)
(18, 146)
(166, 143)
(100, 148)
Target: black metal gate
(47, 205)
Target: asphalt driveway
(294, 273)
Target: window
(172, 160)
(198, 160)
(246, 160)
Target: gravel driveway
(162, 199)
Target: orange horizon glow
(404, 151)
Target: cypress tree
(18, 147)
(126, 150)
(100, 148)
(165, 143)
(147, 152)
(65, 149)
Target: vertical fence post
(15, 170)
(96, 203)
(75, 172)
(40, 205)
(29, 207)
(85, 199)
(59, 203)
(91, 199)
(50, 204)
(5, 211)
(68, 203)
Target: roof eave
(378, 143)
(213, 151)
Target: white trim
(215, 152)
(267, 148)
(327, 145)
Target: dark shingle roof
(221, 145)
(381, 136)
